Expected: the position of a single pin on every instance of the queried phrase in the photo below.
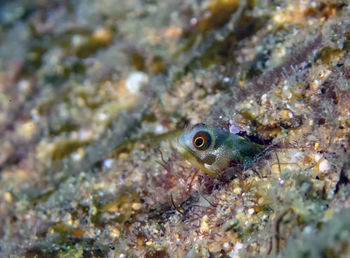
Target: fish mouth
(182, 148)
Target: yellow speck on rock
(149, 242)
(123, 155)
(27, 129)
(136, 206)
(204, 224)
(275, 171)
(285, 114)
(316, 146)
(103, 35)
(261, 201)
(8, 197)
(237, 190)
(328, 213)
(115, 232)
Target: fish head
(203, 145)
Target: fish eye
(201, 140)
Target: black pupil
(199, 141)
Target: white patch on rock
(135, 81)
(324, 165)
(108, 163)
(236, 250)
(159, 129)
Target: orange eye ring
(201, 140)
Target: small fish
(213, 150)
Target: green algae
(122, 204)
(63, 246)
(327, 54)
(63, 148)
(63, 127)
(157, 65)
(42, 197)
(149, 139)
(223, 51)
(220, 13)
(137, 60)
(95, 43)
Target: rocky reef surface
(93, 94)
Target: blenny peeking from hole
(214, 150)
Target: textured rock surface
(93, 93)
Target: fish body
(214, 150)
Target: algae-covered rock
(93, 95)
